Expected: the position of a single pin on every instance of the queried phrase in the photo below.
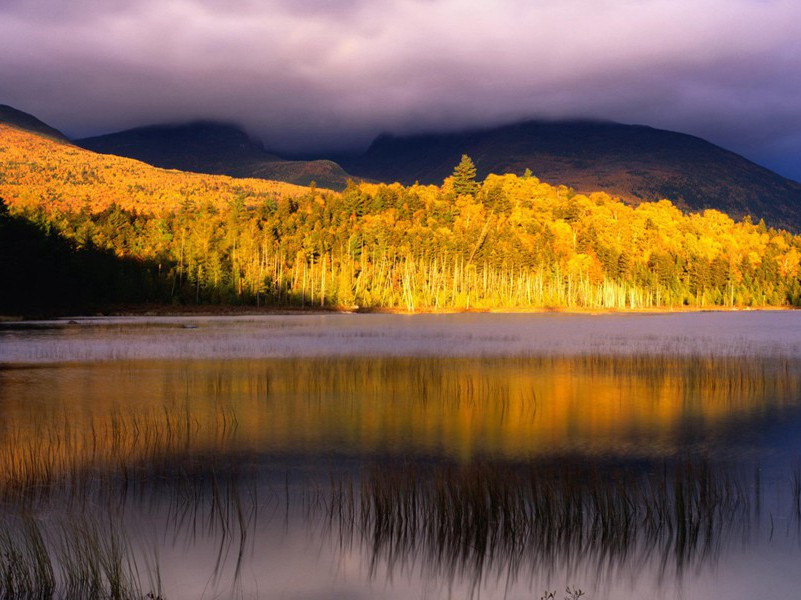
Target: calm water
(375, 456)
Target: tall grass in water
(77, 557)
(470, 522)
(26, 569)
(487, 518)
(113, 455)
(470, 519)
(90, 430)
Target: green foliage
(464, 177)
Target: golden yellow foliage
(37, 171)
(512, 242)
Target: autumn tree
(124, 232)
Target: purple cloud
(307, 74)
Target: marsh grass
(204, 462)
(463, 407)
(76, 557)
(489, 519)
(26, 569)
(475, 522)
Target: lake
(349, 456)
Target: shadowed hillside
(636, 163)
(214, 148)
(22, 120)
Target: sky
(324, 75)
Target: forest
(507, 242)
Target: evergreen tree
(464, 177)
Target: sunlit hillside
(40, 171)
(508, 242)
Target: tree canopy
(511, 243)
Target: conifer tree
(464, 177)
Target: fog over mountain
(312, 76)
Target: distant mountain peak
(213, 147)
(180, 145)
(202, 127)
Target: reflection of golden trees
(115, 416)
(511, 242)
(523, 462)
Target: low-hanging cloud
(309, 74)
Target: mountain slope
(513, 242)
(38, 171)
(636, 163)
(22, 120)
(213, 148)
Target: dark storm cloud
(310, 73)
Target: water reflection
(479, 525)
(480, 519)
(489, 476)
(457, 408)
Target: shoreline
(244, 311)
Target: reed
(77, 557)
(460, 516)
(212, 412)
(26, 570)
(489, 519)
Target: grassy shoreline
(229, 310)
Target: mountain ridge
(634, 162)
(213, 148)
(39, 171)
(27, 122)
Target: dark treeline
(43, 271)
(509, 242)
